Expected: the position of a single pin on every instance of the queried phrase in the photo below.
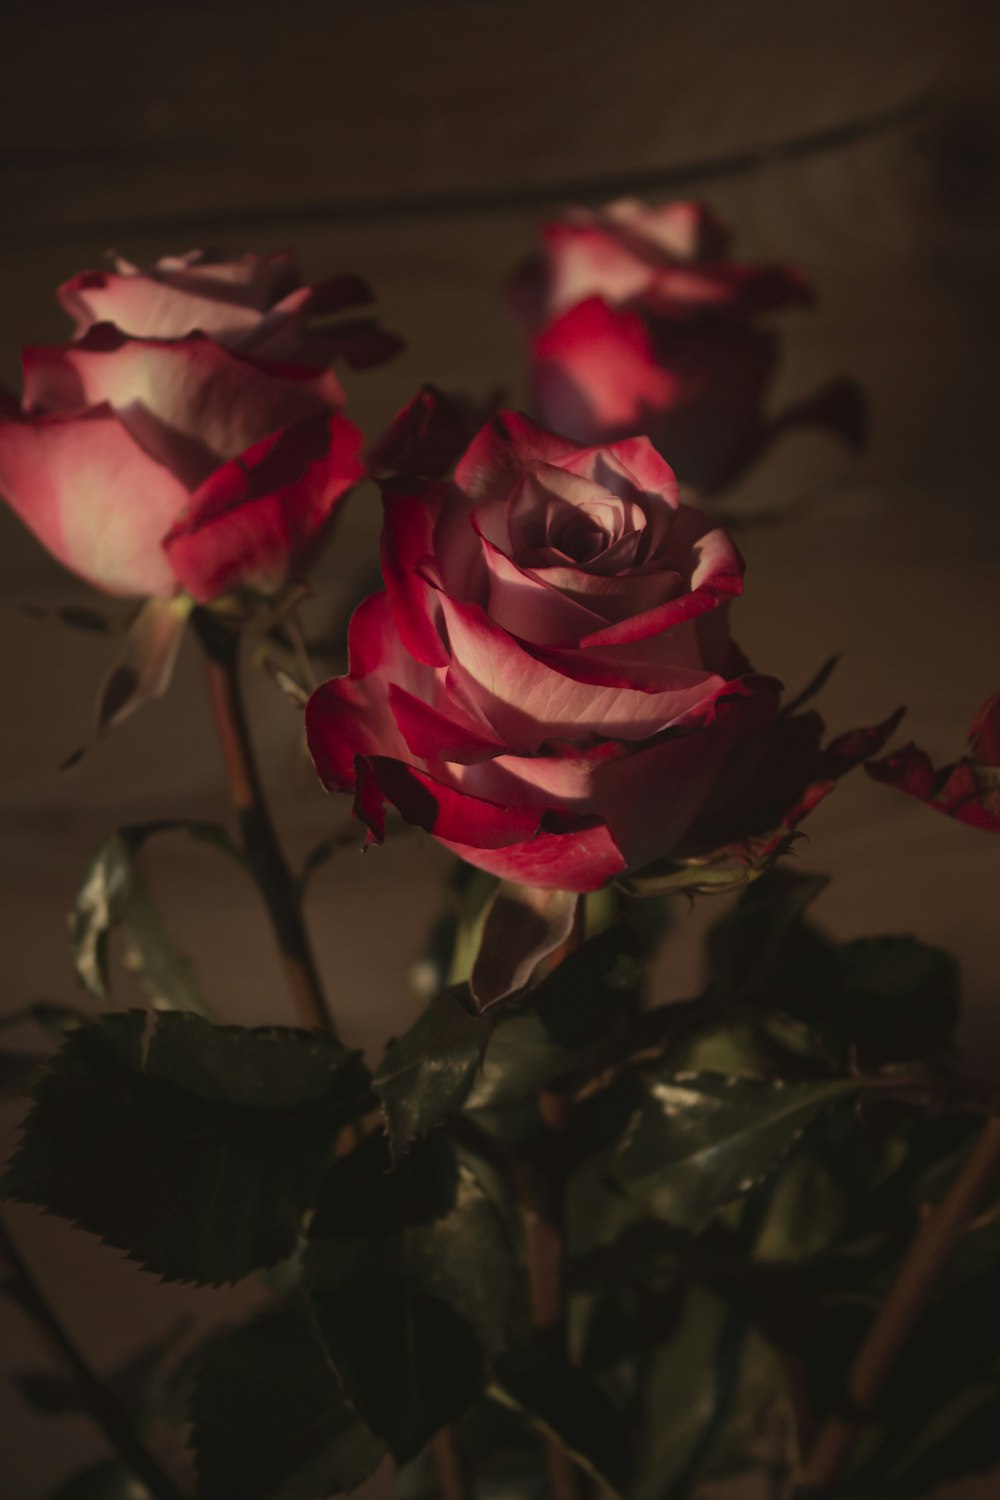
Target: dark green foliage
(108, 1480)
(115, 896)
(270, 1415)
(567, 1402)
(196, 1149)
(414, 1283)
(427, 1074)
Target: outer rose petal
(189, 402)
(597, 377)
(407, 546)
(648, 795)
(502, 450)
(695, 385)
(349, 718)
(424, 439)
(582, 859)
(93, 497)
(163, 305)
(259, 520)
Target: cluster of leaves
(745, 1172)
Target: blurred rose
(547, 684)
(131, 426)
(639, 323)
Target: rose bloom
(130, 433)
(547, 683)
(640, 322)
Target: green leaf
(714, 1401)
(196, 1149)
(695, 1143)
(567, 1404)
(765, 934)
(412, 1276)
(427, 1073)
(587, 1002)
(107, 1480)
(903, 998)
(271, 1418)
(18, 1071)
(114, 895)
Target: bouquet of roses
(556, 1240)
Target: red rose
(968, 789)
(129, 428)
(547, 684)
(640, 324)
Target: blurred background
(352, 132)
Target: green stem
(259, 838)
(94, 1394)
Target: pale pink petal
(93, 497)
(189, 402)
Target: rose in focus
(640, 322)
(129, 432)
(547, 683)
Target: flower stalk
(937, 1239)
(101, 1402)
(258, 836)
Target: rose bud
(968, 789)
(547, 684)
(639, 323)
(426, 437)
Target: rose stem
(449, 1465)
(936, 1240)
(95, 1395)
(265, 856)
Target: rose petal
(528, 702)
(447, 813)
(424, 439)
(968, 789)
(350, 716)
(258, 521)
(407, 543)
(189, 402)
(596, 374)
(500, 452)
(434, 736)
(93, 497)
(579, 859)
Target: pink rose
(639, 323)
(968, 789)
(255, 305)
(130, 431)
(547, 684)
